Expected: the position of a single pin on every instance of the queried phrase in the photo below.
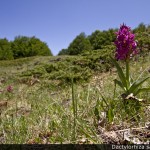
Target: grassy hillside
(69, 99)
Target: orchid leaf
(120, 72)
(141, 90)
(119, 83)
(131, 80)
(136, 84)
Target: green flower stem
(127, 74)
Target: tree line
(105, 39)
(23, 46)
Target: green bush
(5, 50)
(24, 46)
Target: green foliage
(99, 39)
(63, 52)
(42, 112)
(79, 68)
(77, 46)
(142, 33)
(96, 41)
(99, 60)
(5, 50)
(141, 28)
(63, 71)
(38, 71)
(107, 107)
(126, 83)
(24, 46)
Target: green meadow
(71, 99)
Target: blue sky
(58, 22)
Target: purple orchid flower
(125, 43)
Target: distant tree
(141, 28)
(79, 45)
(94, 39)
(39, 47)
(143, 38)
(98, 39)
(63, 52)
(111, 36)
(5, 50)
(23, 46)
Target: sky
(58, 22)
